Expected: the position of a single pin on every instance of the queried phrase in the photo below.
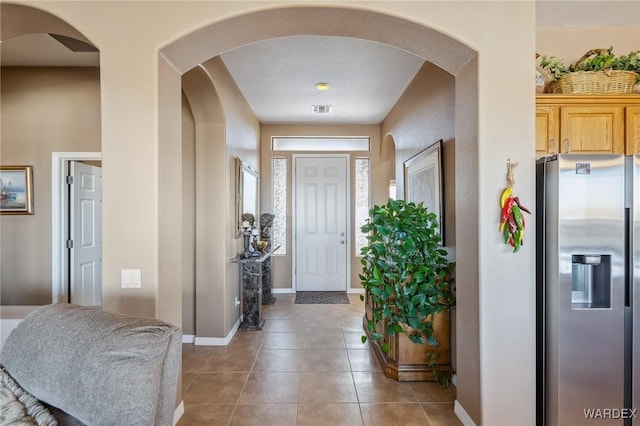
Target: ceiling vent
(321, 109)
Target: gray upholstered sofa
(94, 367)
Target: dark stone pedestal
(253, 273)
(267, 297)
(251, 295)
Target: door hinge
(69, 244)
(69, 180)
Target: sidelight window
(279, 201)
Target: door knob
(341, 241)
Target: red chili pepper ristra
(506, 211)
(517, 214)
(517, 201)
(512, 223)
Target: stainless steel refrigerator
(588, 282)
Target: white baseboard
(218, 341)
(356, 290)
(188, 338)
(454, 379)
(464, 417)
(177, 413)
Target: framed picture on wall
(247, 186)
(423, 181)
(16, 190)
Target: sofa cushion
(102, 368)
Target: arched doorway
(203, 144)
(387, 168)
(449, 54)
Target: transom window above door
(295, 143)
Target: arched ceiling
(276, 58)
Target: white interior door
(85, 229)
(321, 207)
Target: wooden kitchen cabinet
(587, 124)
(547, 130)
(592, 129)
(632, 119)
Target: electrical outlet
(237, 302)
(131, 278)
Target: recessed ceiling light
(322, 86)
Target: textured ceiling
(278, 77)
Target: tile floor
(306, 367)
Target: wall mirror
(246, 194)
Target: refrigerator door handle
(628, 260)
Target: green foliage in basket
(553, 66)
(593, 60)
(630, 62)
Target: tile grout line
(355, 388)
(244, 385)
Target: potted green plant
(598, 71)
(406, 275)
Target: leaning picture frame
(423, 182)
(16, 190)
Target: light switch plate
(131, 278)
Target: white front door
(321, 207)
(85, 231)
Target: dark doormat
(321, 297)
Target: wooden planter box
(407, 361)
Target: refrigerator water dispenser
(591, 281)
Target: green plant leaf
(418, 299)
(416, 338)
(413, 322)
(405, 272)
(432, 341)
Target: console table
(252, 275)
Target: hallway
(306, 367)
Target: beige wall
(224, 127)
(43, 110)
(281, 265)
(188, 219)
(570, 43)
(424, 114)
(467, 316)
(209, 189)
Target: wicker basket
(613, 82)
